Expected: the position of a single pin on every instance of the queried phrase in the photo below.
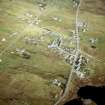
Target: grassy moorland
(28, 81)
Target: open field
(29, 81)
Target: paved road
(63, 98)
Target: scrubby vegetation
(28, 66)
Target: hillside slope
(27, 78)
